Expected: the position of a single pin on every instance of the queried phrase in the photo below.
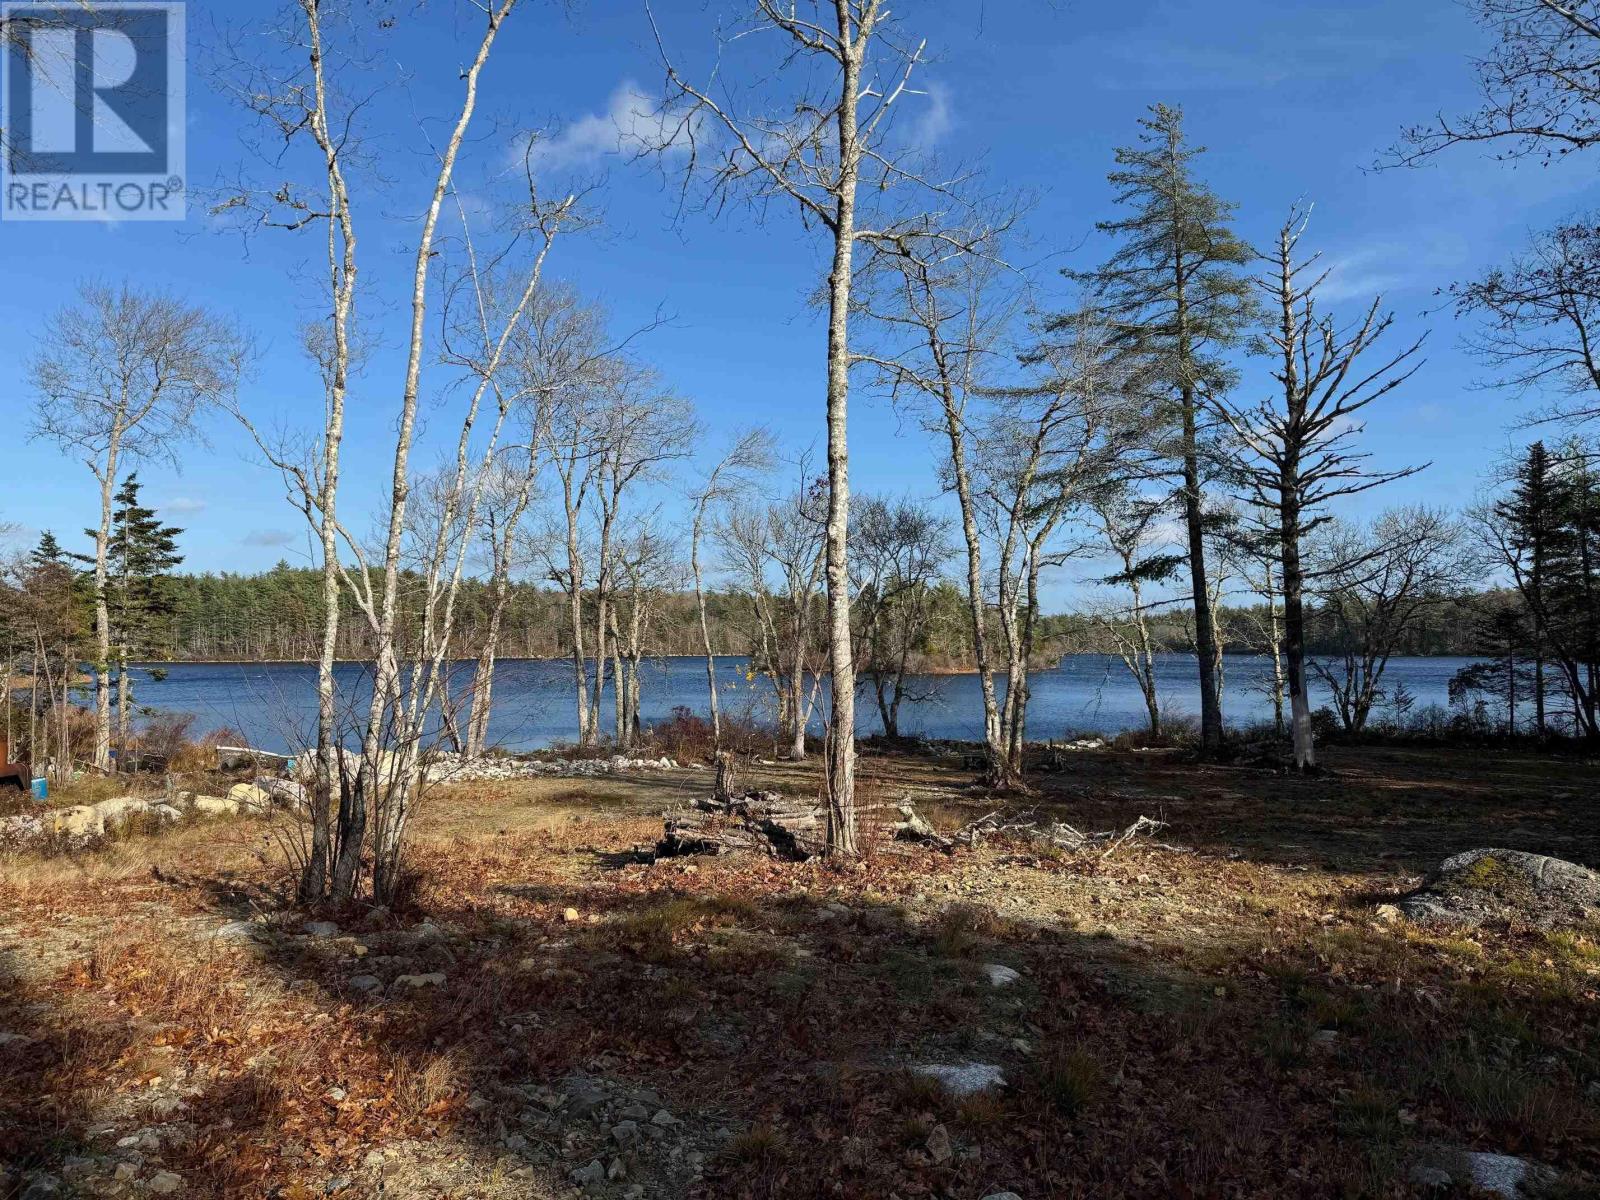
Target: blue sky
(1294, 101)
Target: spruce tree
(140, 552)
(1174, 292)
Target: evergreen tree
(1546, 533)
(1506, 675)
(1175, 295)
(140, 553)
(1530, 514)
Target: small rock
(616, 1170)
(124, 1172)
(571, 915)
(1436, 1178)
(664, 1119)
(999, 975)
(625, 1132)
(416, 982)
(1325, 1037)
(366, 984)
(939, 1147)
(325, 929)
(635, 1112)
(963, 1079)
(373, 1160)
(1002, 1196)
(1387, 914)
(337, 1184)
(42, 1187)
(164, 1183)
(238, 930)
(591, 1176)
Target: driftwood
(795, 830)
(1056, 834)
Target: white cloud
(182, 506)
(631, 121)
(1362, 276)
(936, 118)
(268, 537)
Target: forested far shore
(276, 616)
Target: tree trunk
(705, 632)
(124, 702)
(102, 613)
(1204, 639)
(1294, 633)
(999, 774)
(482, 694)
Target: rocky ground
(551, 1013)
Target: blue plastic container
(41, 789)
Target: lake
(274, 704)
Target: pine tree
(1174, 293)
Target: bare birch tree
(123, 378)
(1127, 526)
(818, 129)
(779, 550)
(297, 102)
(1052, 443)
(749, 455)
(946, 306)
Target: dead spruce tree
(122, 379)
(1298, 447)
(1174, 293)
(817, 134)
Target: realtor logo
(92, 111)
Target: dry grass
(1181, 1003)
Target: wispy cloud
(631, 121)
(1364, 275)
(267, 537)
(935, 117)
(180, 506)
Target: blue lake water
(274, 704)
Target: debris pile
(456, 768)
(763, 821)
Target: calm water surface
(274, 704)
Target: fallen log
(760, 821)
